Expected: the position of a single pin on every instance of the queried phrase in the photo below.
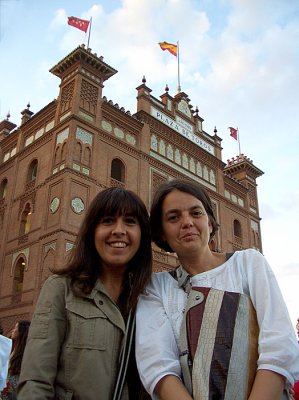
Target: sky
(239, 63)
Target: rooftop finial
(143, 80)
(166, 88)
(28, 105)
(8, 116)
(215, 130)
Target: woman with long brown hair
(80, 344)
(19, 337)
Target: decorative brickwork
(89, 97)
(66, 97)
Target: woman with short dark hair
(217, 326)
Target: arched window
(3, 188)
(18, 276)
(57, 155)
(63, 152)
(118, 170)
(32, 171)
(78, 152)
(87, 156)
(25, 220)
(237, 229)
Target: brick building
(54, 163)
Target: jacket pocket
(40, 322)
(87, 326)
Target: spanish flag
(172, 48)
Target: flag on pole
(233, 132)
(172, 48)
(81, 24)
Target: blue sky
(239, 63)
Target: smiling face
(117, 239)
(185, 223)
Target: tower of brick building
(54, 163)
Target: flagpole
(239, 141)
(89, 32)
(178, 57)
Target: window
(18, 277)
(237, 229)
(3, 188)
(25, 220)
(118, 170)
(32, 171)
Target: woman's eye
(198, 213)
(131, 221)
(172, 218)
(106, 220)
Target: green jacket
(73, 345)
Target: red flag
(172, 48)
(233, 132)
(81, 24)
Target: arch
(57, 155)
(63, 152)
(87, 156)
(32, 171)
(237, 229)
(162, 147)
(78, 152)
(154, 143)
(169, 152)
(199, 169)
(3, 188)
(25, 220)
(177, 156)
(192, 165)
(18, 275)
(185, 161)
(205, 173)
(118, 170)
(212, 177)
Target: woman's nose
(119, 227)
(187, 220)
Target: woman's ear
(210, 227)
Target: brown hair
(156, 209)
(19, 344)
(84, 262)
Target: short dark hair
(156, 209)
(84, 262)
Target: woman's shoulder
(247, 255)
(56, 280)
(162, 280)
(54, 285)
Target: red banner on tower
(81, 24)
(233, 132)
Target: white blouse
(160, 313)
